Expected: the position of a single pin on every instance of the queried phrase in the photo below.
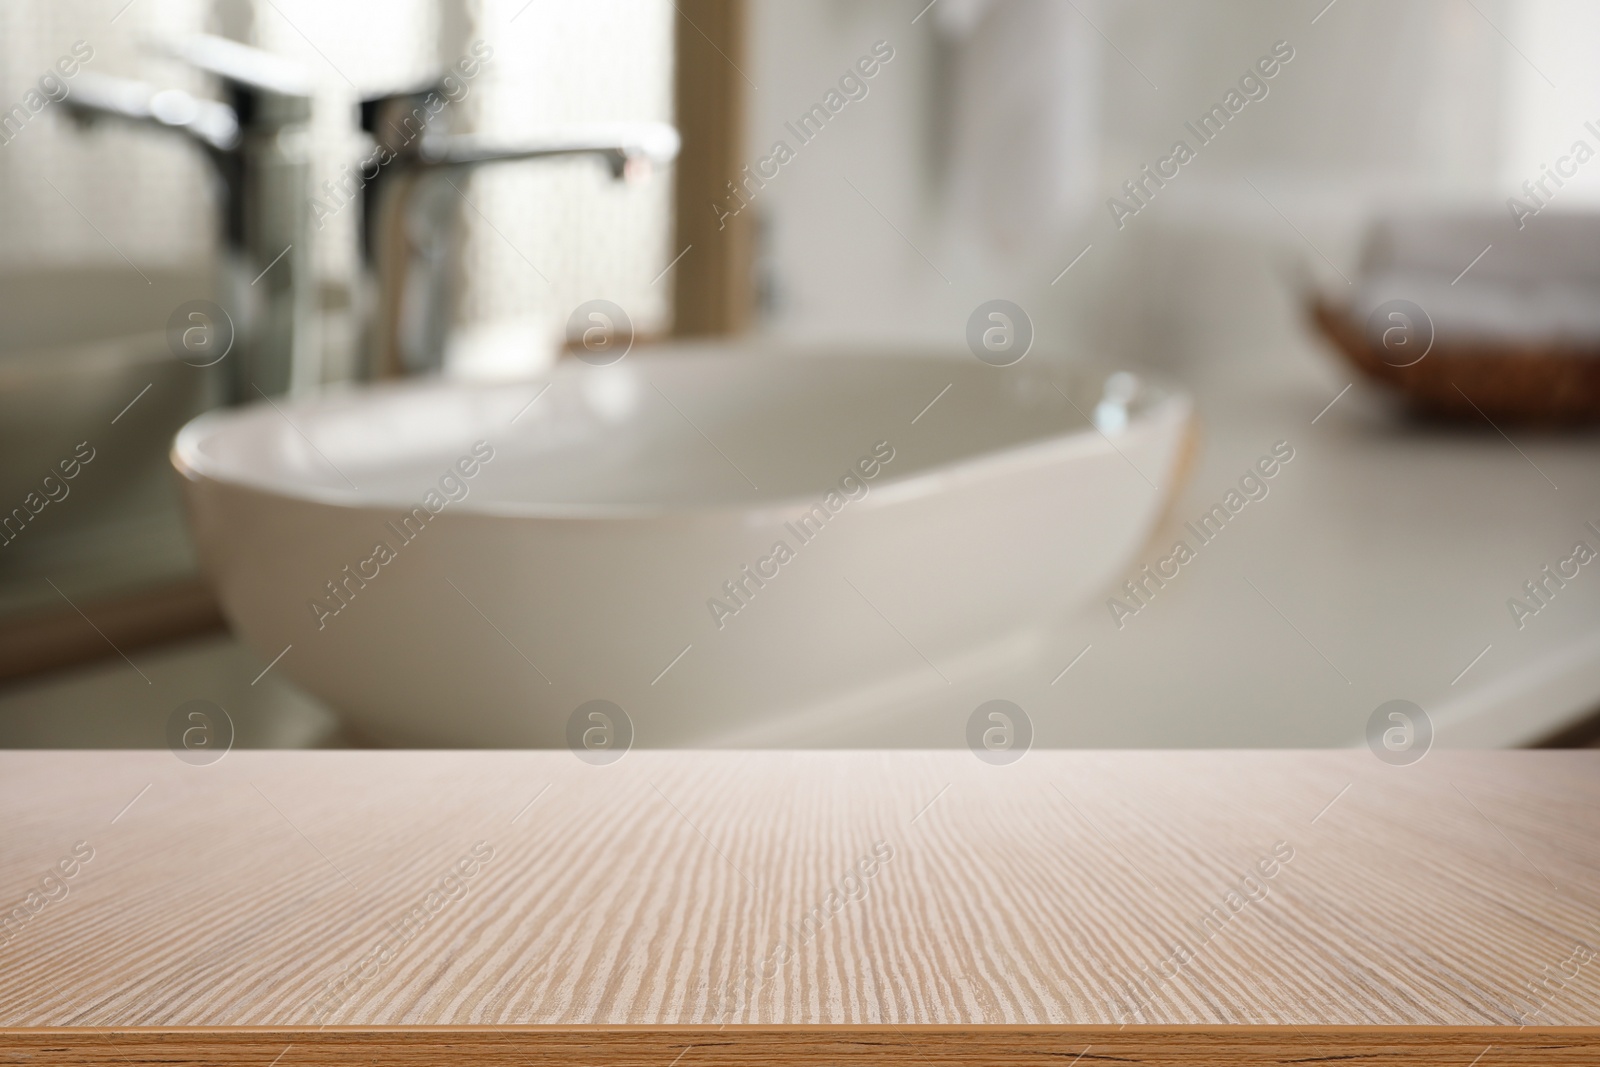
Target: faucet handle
(266, 90)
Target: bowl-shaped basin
(700, 536)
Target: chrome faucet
(410, 204)
(259, 144)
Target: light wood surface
(1013, 914)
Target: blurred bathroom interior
(1021, 149)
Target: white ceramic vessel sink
(466, 564)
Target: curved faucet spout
(406, 220)
(214, 125)
(630, 149)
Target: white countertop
(1382, 560)
(1381, 563)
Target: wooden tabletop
(911, 907)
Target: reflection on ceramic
(704, 536)
(85, 371)
(75, 348)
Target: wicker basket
(1548, 384)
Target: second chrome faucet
(413, 198)
(258, 142)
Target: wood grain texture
(850, 1046)
(1070, 899)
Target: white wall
(97, 206)
(1383, 106)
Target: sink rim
(1158, 403)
